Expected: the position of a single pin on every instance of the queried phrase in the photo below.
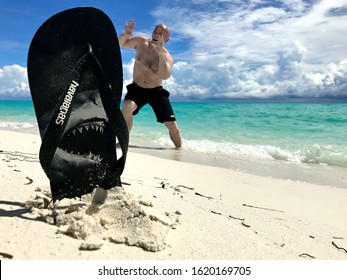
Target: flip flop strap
(63, 110)
(114, 115)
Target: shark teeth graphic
(87, 140)
(89, 155)
(95, 126)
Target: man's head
(161, 29)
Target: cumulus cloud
(257, 48)
(14, 82)
(227, 49)
(127, 74)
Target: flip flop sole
(75, 78)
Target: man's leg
(128, 109)
(174, 133)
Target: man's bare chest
(148, 57)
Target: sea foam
(314, 154)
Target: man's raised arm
(125, 38)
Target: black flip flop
(76, 80)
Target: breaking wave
(313, 154)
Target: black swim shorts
(157, 98)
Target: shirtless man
(153, 65)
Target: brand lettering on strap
(66, 103)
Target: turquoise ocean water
(300, 141)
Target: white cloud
(14, 82)
(9, 45)
(241, 48)
(257, 49)
(127, 75)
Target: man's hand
(159, 45)
(129, 27)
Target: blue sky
(223, 49)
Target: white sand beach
(167, 210)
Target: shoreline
(314, 173)
(184, 207)
(325, 175)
